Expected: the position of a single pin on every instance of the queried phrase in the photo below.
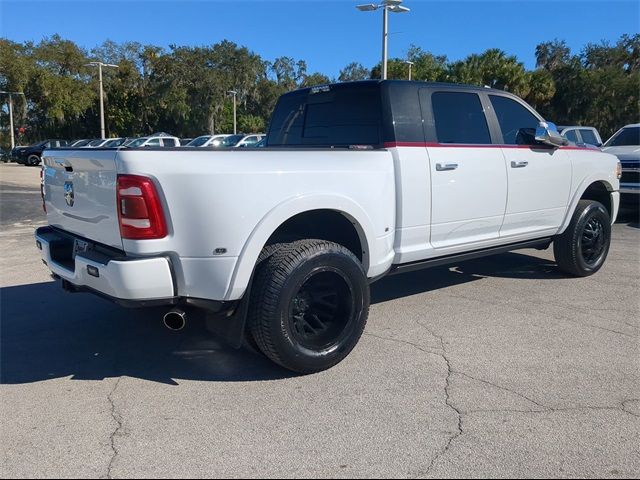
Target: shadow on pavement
(508, 265)
(46, 333)
(629, 214)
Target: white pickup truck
(276, 247)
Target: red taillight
(139, 209)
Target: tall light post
(393, 6)
(235, 122)
(411, 64)
(10, 94)
(100, 65)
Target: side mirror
(547, 133)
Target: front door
(468, 176)
(539, 176)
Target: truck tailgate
(80, 193)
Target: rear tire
(583, 247)
(309, 305)
(266, 253)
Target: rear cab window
(328, 116)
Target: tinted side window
(571, 135)
(459, 118)
(625, 137)
(514, 120)
(588, 136)
(168, 142)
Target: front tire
(33, 160)
(309, 305)
(583, 247)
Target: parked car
(105, 143)
(581, 135)
(31, 155)
(79, 143)
(153, 141)
(206, 140)
(625, 144)
(250, 140)
(277, 247)
(229, 141)
(115, 142)
(96, 143)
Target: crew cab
(276, 247)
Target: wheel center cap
(300, 304)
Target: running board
(540, 244)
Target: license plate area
(80, 246)
(63, 251)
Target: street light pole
(235, 120)
(393, 6)
(410, 66)
(12, 134)
(102, 134)
(100, 65)
(385, 43)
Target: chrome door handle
(519, 164)
(447, 166)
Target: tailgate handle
(447, 166)
(64, 164)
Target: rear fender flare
(283, 212)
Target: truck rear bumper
(105, 271)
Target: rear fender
(283, 212)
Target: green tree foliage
(493, 68)
(185, 90)
(600, 86)
(353, 72)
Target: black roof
(443, 85)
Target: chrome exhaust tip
(175, 319)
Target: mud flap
(230, 327)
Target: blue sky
(327, 34)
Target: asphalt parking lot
(495, 367)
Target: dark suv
(31, 155)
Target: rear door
(468, 177)
(80, 193)
(539, 176)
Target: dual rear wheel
(309, 304)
